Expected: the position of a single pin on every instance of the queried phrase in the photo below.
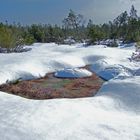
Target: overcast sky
(53, 11)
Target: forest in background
(125, 27)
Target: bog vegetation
(125, 27)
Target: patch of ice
(73, 73)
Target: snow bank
(125, 93)
(73, 73)
(113, 114)
(129, 45)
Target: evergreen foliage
(125, 27)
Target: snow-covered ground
(113, 114)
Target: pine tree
(133, 13)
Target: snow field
(113, 114)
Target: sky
(54, 11)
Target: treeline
(125, 27)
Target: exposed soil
(50, 87)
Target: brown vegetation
(50, 87)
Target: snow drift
(45, 58)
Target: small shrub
(7, 39)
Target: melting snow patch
(108, 72)
(73, 73)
